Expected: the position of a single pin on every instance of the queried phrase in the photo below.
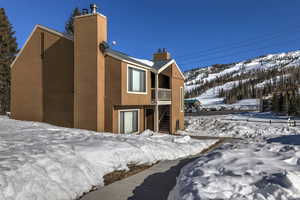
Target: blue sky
(196, 32)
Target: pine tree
(69, 27)
(292, 109)
(8, 51)
(275, 104)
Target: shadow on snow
(286, 139)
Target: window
(136, 80)
(129, 121)
(181, 99)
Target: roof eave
(168, 64)
(31, 34)
(129, 62)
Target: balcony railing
(163, 94)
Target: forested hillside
(251, 79)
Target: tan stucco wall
(27, 83)
(112, 90)
(42, 89)
(177, 82)
(130, 101)
(115, 119)
(58, 81)
(116, 96)
(89, 110)
(134, 99)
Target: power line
(235, 44)
(235, 53)
(218, 51)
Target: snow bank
(242, 171)
(40, 161)
(223, 126)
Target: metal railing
(163, 94)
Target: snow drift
(243, 171)
(243, 126)
(40, 161)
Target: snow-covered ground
(218, 104)
(274, 80)
(214, 92)
(240, 126)
(45, 162)
(263, 166)
(210, 99)
(242, 171)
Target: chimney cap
(161, 54)
(93, 8)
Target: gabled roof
(156, 66)
(159, 64)
(123, 56)
(31, 34)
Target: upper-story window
(136, 80)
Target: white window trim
(119, 119)
(146, 79)
(181, 99)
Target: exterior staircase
(164, 124)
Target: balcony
(163, 94)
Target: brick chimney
(161, 55)
(90, 30)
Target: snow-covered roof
(148, 63)
(157, 66)
(126, 57)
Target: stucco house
(83, 83)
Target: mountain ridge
(262, 75)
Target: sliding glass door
(129, 121)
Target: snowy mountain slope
(202, 81)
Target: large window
(181, 99)
(129, 121)
(136, 80)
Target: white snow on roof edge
(144, 61)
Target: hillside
(249, 79)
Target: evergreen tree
(69, 27)
(292, 109)
(275, 104)
(8, 50)
(297, 103)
